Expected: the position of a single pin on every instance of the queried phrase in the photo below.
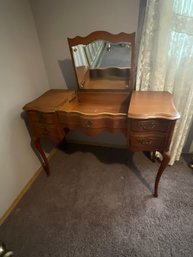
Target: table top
(50, 101)
(152, 104)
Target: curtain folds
(165, 61)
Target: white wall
(56, 20)
(22, 77)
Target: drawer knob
(145, 141)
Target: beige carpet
(98, 203)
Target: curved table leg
(164, 163)
(38, 147)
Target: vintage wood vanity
(106, 100)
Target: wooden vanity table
(106, 100)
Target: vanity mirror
(103, 60)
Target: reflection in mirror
(102, 54)
(103, 64)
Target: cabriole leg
(164, 163)
(39, 148)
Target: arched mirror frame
(106, 36)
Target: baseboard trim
(71, 141)
(24, 190)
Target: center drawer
(100, 121)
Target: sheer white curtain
(165, 60)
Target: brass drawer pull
(87, 123)
(145, 142)
(151, 125)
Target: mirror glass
(102, 64)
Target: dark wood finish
(151, 121)
(156, 125)
(147, 142)
(37, 144)
(104, 35)
(164, 164)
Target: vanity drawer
(42, 117)
(148, 142)
(47, 130)
(96, 122)
(157, 125)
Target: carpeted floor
(98, 203)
